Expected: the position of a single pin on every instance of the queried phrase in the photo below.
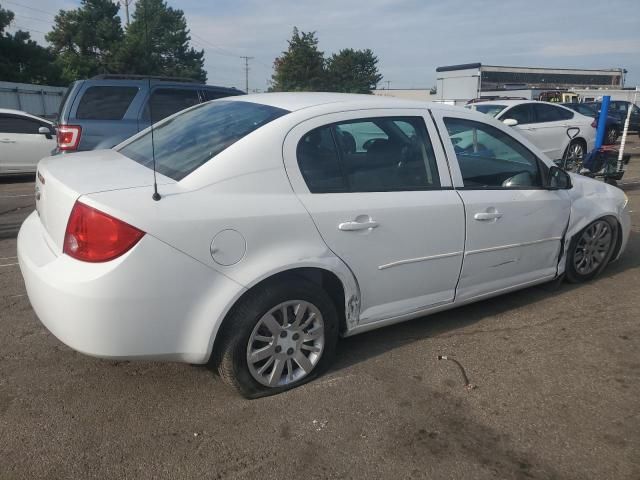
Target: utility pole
(388, 82)
(246, 72)
(126, 9)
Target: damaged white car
(284, 221)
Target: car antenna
(156, 196)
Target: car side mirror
(559, 179)
(46, 131)
(510, 122)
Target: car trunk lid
(61, 180)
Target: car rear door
(378, 189)
(552, 129)
(514, 226)
(21, 145)
(165, 100)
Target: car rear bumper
(153, 302)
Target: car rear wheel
(574, 156)
(279, 337)
(590, 250)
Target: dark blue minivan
(106, 109)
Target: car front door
(21, 145)
(379, 192)
(514, 226)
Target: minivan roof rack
(126, 76)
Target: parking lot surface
(557, 371)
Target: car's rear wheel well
(325, 279)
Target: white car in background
(561, 133)
(289, 219)
(24, 140)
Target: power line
(48, 22)
(29, 8)
(220, 50)
(18, 27)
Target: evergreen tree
(301, 67)
(157, 43)
(22, 59)
(353, 71)
(86, 39)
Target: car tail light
(68, 137)
(94, 236)
(594, 124)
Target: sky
(410, 37)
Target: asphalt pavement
(556, 371)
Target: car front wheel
(280, 336)
(573, 156)
(590, 250)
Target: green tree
(353, 71)
(157, 43)
(301, 67)
(86, 39)
(22, 59)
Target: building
(461, 83)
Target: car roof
(22, 113)
(511, 103)
(293, 101)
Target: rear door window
(105, 103)
(369, 155)
(548, 113)
(14, 124)
(167, 101)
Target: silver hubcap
(593, 247)
(574, 156)
(286, 344)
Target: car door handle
(483, 216)
(5, 140)
(352, 226)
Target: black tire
(572, 274)
(231, 356)
(572, 161)
(611, 135)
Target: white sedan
(287, 220)
(561, 133)
(24, 140)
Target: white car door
(528, 125)
(378, 189)
(514, 226)
(21, 145)
(552, 130)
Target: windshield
(190, 139)
(492, 110)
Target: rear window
(190, 139)
(105, 103)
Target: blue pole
(602, 122)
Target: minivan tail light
(68, 136)
(94, 236)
